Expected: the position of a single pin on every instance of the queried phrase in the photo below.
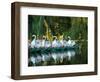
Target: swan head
(44, 37)
(69, 38)
(33, 36)
(54, 37)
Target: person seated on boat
(70, 42)
(54, 42)
(33, 43)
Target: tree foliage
(74, 27)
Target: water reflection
(58, 56)
(55, 58)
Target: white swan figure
(70, 42)
(33, 43)
(54, 42)
(38, 43)
(65, 43)
(62, 43)
(47, 44)
(43, 41)
(73, 43)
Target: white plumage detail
(33, 41)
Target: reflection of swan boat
(55, 55)
(39, 55)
